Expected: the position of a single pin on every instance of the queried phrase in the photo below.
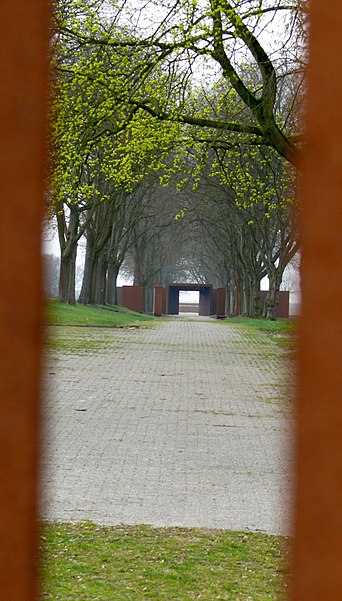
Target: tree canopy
(187, 94)
(165, 52)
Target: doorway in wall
(189, 301)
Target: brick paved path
(180, 424)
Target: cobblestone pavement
(181, 424)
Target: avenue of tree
(176, 133)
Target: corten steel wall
(283, 308)
(173, 296)
(318, 507)
(205, 297)
(131, 297)
(220, 302)
(23, 68)
(158, 301)
(205, 300)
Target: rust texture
(131, 297)
(158, 301)
(283, 308)
(23, 67)
(318, 503)
(220, 302)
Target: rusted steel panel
(283, 308)
(318, 504)
(221, 303)
(23, 67)
(132, 297)
(158, 301)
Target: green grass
(278, 325)
(280, 331)
(69, 337)
(77, 340)
(89, 315)
(132, 563)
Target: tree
(157, 239)
(263, 187)
(51, 275)
(127, 98)
(247, 224)
(99, 151)
(109, 236)
(188, 37)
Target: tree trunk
(228, 301)
(244, 298)
(256, 297)
(66, 288)
(272, 298)
(67, 234)
(100, 280)
(111, 289)
(86, 294)
(250, 296)
(148, 299)
(138, 269)
(237, 307)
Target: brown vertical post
(132, 297)
(318, 505)
(23, 68)
(220, 303)
(158, 301)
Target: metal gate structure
(211, 300)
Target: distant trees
(220, 233)
(163, 170)
(262, 186)
(100, 150)
(246, 228)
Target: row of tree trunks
(99, 285)
(103, 254)
(110, 230)
(244, 298)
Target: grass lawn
(277, 325)
(89, 315)
(281, 331)
(69, 337)
(131, 563)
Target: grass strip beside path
(258, 323)
(91, 315)
(131, 563)
(280, 331)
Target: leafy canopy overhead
(161, 55)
